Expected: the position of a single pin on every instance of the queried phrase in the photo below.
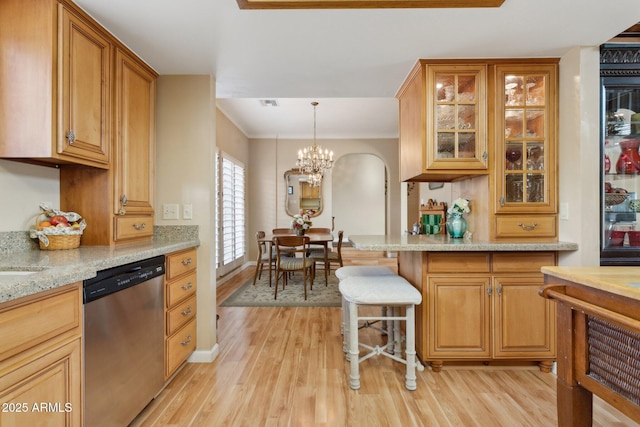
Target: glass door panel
(456, 98)
(620, 192)
(525, 140)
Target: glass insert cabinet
(457, 100)
(524, 138)
(620, 160)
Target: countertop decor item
(57, 230)
(456, 224)
(301, 222)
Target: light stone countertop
(61, 267)
(623, 281)
(443, 243)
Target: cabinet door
(135, 136)
(44, 392)
(459, 317)
(84, 69)
(456, 117)
(526, 99)
(524, 322)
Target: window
(230, 213)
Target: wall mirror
(300, 194)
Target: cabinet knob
(187, 286)
(139, 226)
(186, 261)
(489, 290)
(501, 200)
(187, 341)
(187, 312)
(499, 290)
(70, 136)
(123, 203)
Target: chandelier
(312, 160)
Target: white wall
(22, 188)
(579, 154)
(186, 124)
(358, 193)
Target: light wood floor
(285, 367)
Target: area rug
(261, 295)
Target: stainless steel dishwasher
(124, 341)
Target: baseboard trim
(204, 356)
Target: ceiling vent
(269, 102)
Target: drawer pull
(187, 286)
(187, 342)
(139, 226)
(187, 312)
(187, 261)
(528, 227)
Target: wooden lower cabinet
(482, 307)
(180, 309)
(40, 373)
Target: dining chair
(332, 257)
(264, 256)
(285, 263)
(282, 231)
(317, 247)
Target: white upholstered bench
(387, 290)
(362, 271)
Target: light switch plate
(187, 211)
(564, 211)
(170, 211)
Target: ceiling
(351, 61)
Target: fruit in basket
(58, 219)
(44, 224)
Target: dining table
(314, 238)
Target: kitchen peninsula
(480, 298)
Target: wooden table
(316, 238)
(598, 339)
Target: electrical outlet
(170, 211)
(187, 211)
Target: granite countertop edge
(440, 243)
(54, 269)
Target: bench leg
(345, 327)
(354, 350)
(410, 348)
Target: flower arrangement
(459, 206)
(301, 221)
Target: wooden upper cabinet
(135, 135)
(524, 180)
(443, 121)
(84, 69)
(56, 98)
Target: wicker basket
(61, 241)
(55, 240)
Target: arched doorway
(359, 205)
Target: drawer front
(458, 262)
(181, 262)
(28, 325)
(526, 226)
(127, 227)
(522, 262)
(181, 314)
(180, 289)
(180, 346)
